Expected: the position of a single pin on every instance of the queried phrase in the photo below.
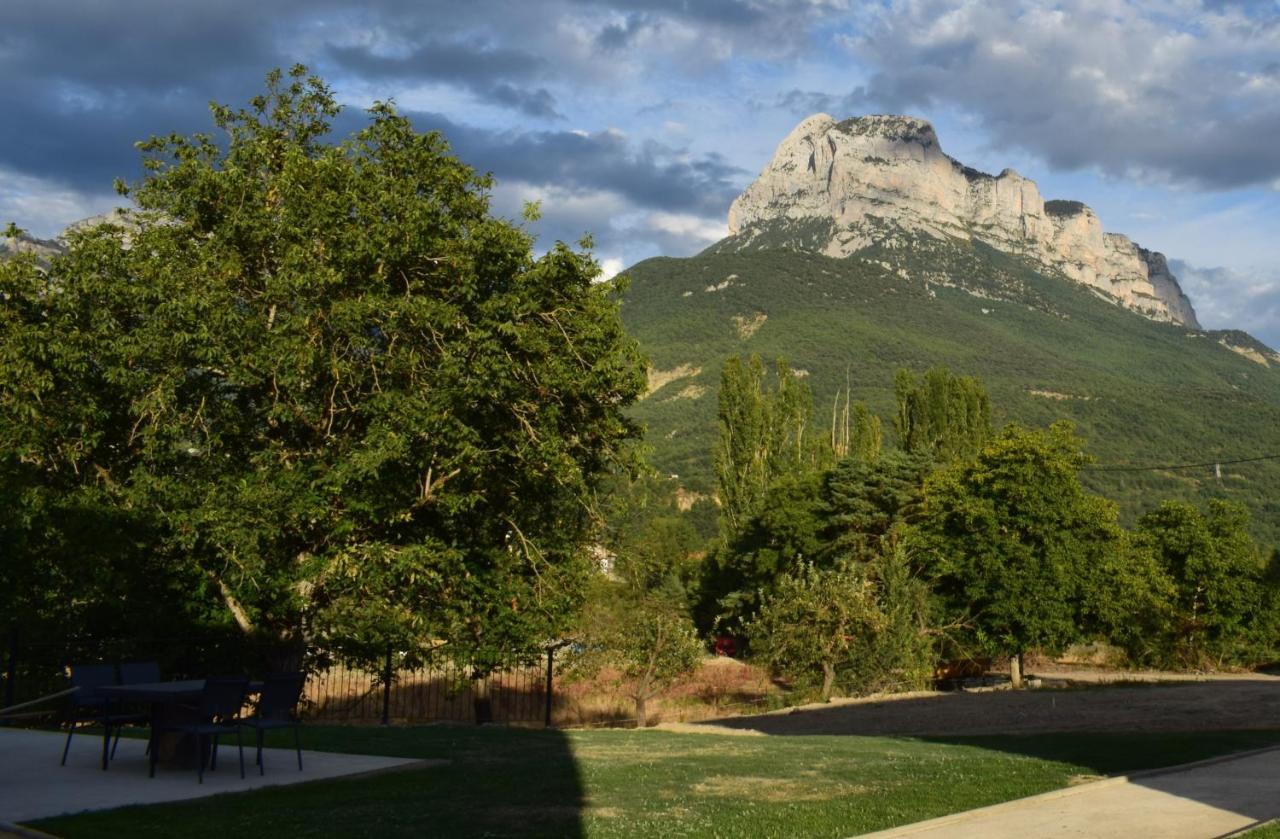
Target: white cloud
(610, 267)
(44, 207)
(694, 228)
(1166, 89)
(1227, 298)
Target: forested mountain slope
(1141, 392)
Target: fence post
(386, 688)
(551, 653)
(11, 671)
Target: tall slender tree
(764, 434)
(941, 415)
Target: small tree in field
(858, 623)
(646, 637)
(814, 621)
(636, 618)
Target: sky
(639, 121)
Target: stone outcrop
(865, 178)
(43, 249)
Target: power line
(1180, 465)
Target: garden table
(171, 702)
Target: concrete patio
(33, 785)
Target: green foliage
(1013, 542)
(764, 433)
(331, 389)
(865, 500)
(856, 433)
(859, 625)
(815, 620)
(636, 616)
(944, 416)
(1222, 608)
(784, 533)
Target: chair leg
(262, 769)
(200, 762)
(106, 745)
(116, 742)
(297, 744)
(240, 748)
(151, 756)
(213, 757)
(71, 729)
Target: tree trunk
(481, 699)
(828, 680)
(1015, 670)
(642, 718)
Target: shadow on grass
(1108, 731)
(1210, 705)
(499, 782)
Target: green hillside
(1140, 392)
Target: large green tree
(866, 499)
(1223, 601)
(1017, 548)
(346, 399)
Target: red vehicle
(727, 645)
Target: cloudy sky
(640, 120)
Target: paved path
(1211, 798)
(33, 785)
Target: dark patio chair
(278, 708)
(219, 713)
(137, 673)
(89, 706)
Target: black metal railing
(392, 685)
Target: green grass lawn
(511, 782)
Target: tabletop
(155, 691)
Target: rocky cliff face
(44, 249)
(860, 181)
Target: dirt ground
(1070, 700)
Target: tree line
(845, 564)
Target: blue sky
(639, 120)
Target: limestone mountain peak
(870, 178)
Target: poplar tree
(764, 434)
(941, 415)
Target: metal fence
(392, 685)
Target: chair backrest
(223, 696)
(281, 693)
(90, 677)
(139, 672)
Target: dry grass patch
(777, 790)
